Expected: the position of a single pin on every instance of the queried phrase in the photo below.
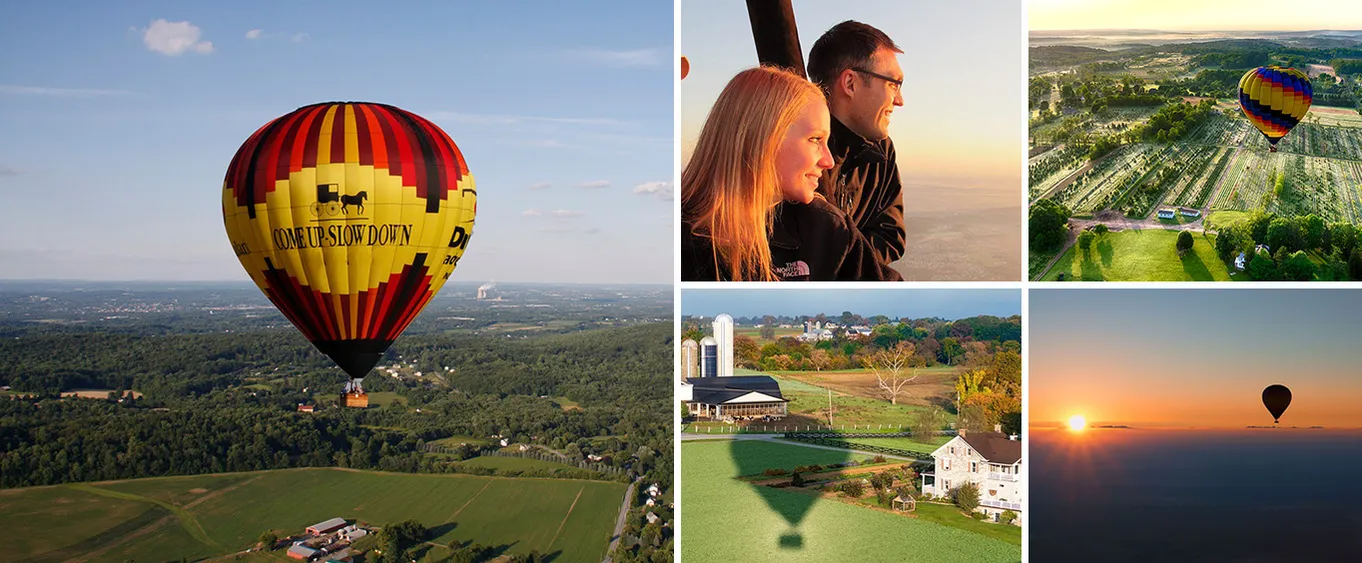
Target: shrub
(775, 472)
(878, 459)
(853, 488)
(797, 480)
(1184, 242)
(966, 496)
(884, 498)
(978, 515)
(1008, 517)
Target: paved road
(619, 522)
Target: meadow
(1141, 255)
(728, 520)
(211, 515)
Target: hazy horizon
(1179, 15)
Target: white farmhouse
(990, 460)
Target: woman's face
(803, 154)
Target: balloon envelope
(1275, 99)
(1276, 398)
(349, 217)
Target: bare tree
(894, 368)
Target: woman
(749, 206)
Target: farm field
(856, 399)
(763, 524)
(1142, 255)
(515, 464)
(202, 516)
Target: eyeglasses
(895, 83)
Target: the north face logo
(796, 269)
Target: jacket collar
(852, 148)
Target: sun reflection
(1077, 422)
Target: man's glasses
(895, 83)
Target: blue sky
(120, 119)
(891, 302)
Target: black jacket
(864, 182)
(813, 242)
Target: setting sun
(1077, 422)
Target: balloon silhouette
(1275, 99)
(752, 457)
(1276, 398)
(349, 217)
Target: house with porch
(990, 460)
(745, 397)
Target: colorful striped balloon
(1275, 99)
(349, 217)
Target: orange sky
(1194, 357)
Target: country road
(619, 521)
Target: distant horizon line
(1110, 426)
(1132, 29)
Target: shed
(905, 503)
(301, 552)
(326, 527)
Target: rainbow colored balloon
(349, 217)
(1275, 99)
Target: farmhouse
(326, 527)
(739, 396)
(991, 460)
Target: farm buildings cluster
(710, 390)
(326, 541)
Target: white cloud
(541, 186)
(594, 184)
(174, 38)
(62, 92)
(663, 190)
(532, 213)
(254, 33)
(625, 58)
(566, 213)
(300, 37)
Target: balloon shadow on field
(753, 457)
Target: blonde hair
(730, 186)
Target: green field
(203, 516)
(728, 520)
(515, 464)
(454, 441)
(376, 400)
(1142, 255)
(903, 443)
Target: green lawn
(1217, 220)
(566, 403)
(454, 441)
(1143, 255)
(515, 464)
(728, 520)
(57, 523)
(903, 443)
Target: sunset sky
(1194, 357)
(1202, 15)
(963, 114)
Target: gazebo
(904, 503)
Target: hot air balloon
(1275, 99)
(349, 217)
(1276, 398)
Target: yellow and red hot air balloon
(1275, 99)
(349, 217)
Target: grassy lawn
(162, 518)
(1145, 255)
(515, 464)
(454, 441)
(729, 520)
(377, 400)
(566, 403)
(903, 443)
(1218, 220)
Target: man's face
(873, 99)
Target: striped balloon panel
(1275, 99)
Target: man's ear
(846, 81)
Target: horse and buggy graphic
(330, 202)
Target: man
(857, 67)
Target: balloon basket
(355, 400)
